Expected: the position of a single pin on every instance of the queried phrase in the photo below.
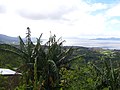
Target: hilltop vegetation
(53, 66)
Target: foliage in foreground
(54, 67)
(41, 63)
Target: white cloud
(65, 18)
(98, 6)
(115, 21)
(45, 9)
(114, 11)
(86, 24)
(2, 9)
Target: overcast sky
(66, 18)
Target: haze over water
(106, 44)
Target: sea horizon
(93, 43)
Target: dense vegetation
(53, 66)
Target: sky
(65, 18)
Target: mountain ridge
(111, 38)
(13, 40)
(8, 39)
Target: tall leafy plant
(41, 63)
(50, 58)
(25, 53)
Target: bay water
(106, 44)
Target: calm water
(107, 44)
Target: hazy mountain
(14, 40)
(112, 38)
(8, 39)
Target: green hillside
(53, 66)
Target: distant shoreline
(112, 38)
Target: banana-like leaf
(52, 65)
(12, 52)
(99, 71)
(11, 48)
(22, 44)
(65, 56)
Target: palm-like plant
(24, 52)
(48, 59)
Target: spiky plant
(40, 62)
(50, 58)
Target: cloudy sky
(66, 18)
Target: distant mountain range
(112, 38)
(8, 39)
(13, 40)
